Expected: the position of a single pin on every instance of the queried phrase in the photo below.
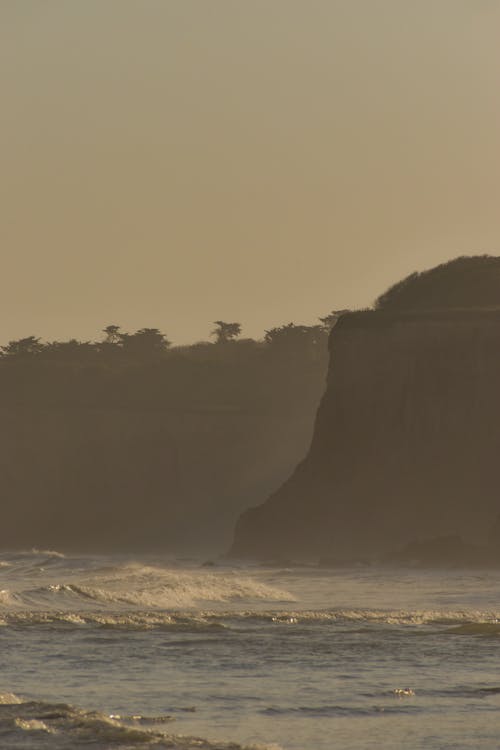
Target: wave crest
(59, 726)
(144, 587)
(456, 623)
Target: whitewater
(139, 652)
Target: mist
(249, 367)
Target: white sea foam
(47, 553)
(35, 725)
(145, 587)
(9, 699)
(5, 597)
(460, 623)
(306, 673)
(368, 616)
(125, 620)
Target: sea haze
(141, 650)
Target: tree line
(284, 371)
(150, 343)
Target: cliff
(406, 443)
(106, 479)
(102, 449)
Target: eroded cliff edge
(405, 446)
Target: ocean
(140, 652)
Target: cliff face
(102, 449)
(137, 479)
(405, 446)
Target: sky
(169, 163)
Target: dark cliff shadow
(407, 435)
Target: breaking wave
(74, 586)
(42, 587)
(157, 589)
(35, 725)
(125, 620)
(453, 623)
(475, 621)
(47, 553)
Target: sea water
(136, 652)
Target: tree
(26, 347)
(112, 334)
(291, 336)
(463, 283)
(296, 341)
(225, 332)
(70, 351)
(144, 343)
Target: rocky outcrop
(406, 444)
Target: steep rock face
(131, 479)
(406, 443)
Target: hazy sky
(168, 163)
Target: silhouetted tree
(291, 336)
(465, 282)
(299, 342)
(112, 334)
(225, 332)
(70, 351)
(144, 343)
(26, 347)
(141, 368)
